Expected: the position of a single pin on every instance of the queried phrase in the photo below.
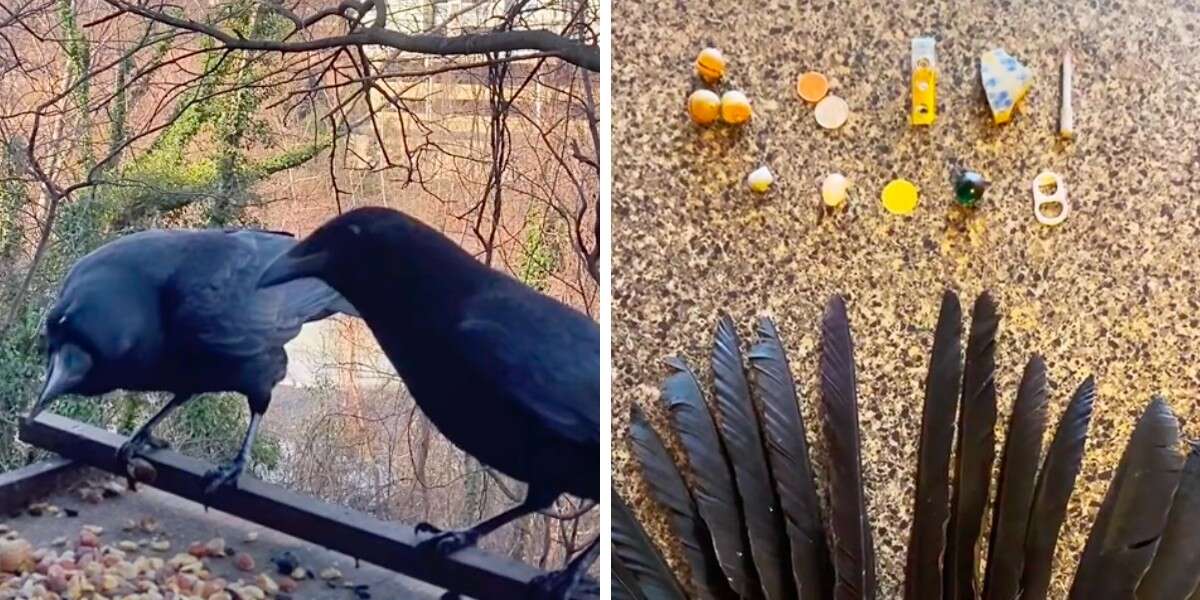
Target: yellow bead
(735, 107)
(760, 180)
(710, 65)
(704, 106)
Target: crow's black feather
(927, 542)
(975, 454)
(787, 450)
(1053, 491)
(1016, 485)
(740, 430)
(715, 493)
(636, 561)
(1134, 511)
(669, 490)
(853, 549)
(1174, 573)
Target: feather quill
(669, 490)
(853, 551)
(1053, 491)
(926, 543)
(1134, 511)
(646, 569)
(975, 454)
(787, 451)
(715, 494)
(1174, 573)
(743, 440)
(1016, 484)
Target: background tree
(477, 116)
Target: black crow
(180, 311)
(509, 375)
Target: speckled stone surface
(1112, 292)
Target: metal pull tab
(1050, 205)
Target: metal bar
(390, 545)
(20, 487)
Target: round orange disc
(812, 86)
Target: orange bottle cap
(812, 86)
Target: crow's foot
(224, 475)
(445, 543)
(137, 444)
(571, 583)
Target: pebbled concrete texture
(1111, 292)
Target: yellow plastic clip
(924, 81)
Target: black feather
(639, 558)
(1053, 491)
(743, 440)
(853, 550)
(624, 583)
(787, 450)
(1016, 485)
(975, 454)
(1134, 511)
(715, 494)
(669, 490)
(1174, 573)
(923, 578)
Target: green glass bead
(968, 188)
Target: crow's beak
(294, 266)
(69, 365)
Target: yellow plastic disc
(900, 197)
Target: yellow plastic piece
(924, 96)
(704, 106)
(924, 81)
(735, 108)
(900, 197)
(710, 65)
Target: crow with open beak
(179, 311)
(509, 375)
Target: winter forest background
(478, 117)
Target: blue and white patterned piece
(1005, 81)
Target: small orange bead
(710, 65)
(735, 108)
(704, 106)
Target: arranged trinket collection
(1006, 82)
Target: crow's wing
(542, 354)
(219, 303)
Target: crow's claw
(137, 444)
(445, 543)
(224, 475)
(567, 584)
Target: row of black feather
(751, 524)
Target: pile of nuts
(92, 569)
(141, 567)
